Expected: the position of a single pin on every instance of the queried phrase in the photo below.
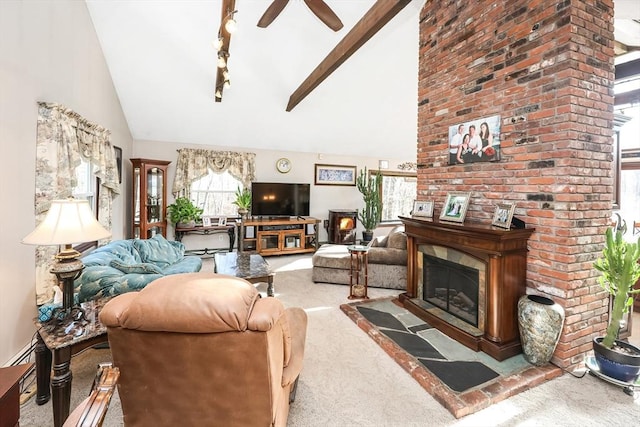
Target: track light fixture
(228, 26)
(231, 25)
(222, 59)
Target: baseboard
(22, 355)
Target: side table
(10, 393)
(359, 262)
(60, 343)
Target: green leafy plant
(183, 210)
(243, 198)
(370, 188)
(620, 271)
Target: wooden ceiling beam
(228, 7)
(377, 17)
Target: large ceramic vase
(540, 320)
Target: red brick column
(546, 67)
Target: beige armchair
(204, 349)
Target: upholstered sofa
(387, 262)
(129, 265)
(204, 349)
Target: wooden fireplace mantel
(505, 254)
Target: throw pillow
(397, 240)
(144, 268)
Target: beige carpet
(348, 380)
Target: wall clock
(283, 165)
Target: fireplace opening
(452, 287)
(342, 226)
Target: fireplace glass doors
(454, 282)
(452, 287)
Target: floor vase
(540, 321)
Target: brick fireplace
(546, 68)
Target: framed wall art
(455, 207)
(423, 208)
(503, 215)
(335, 175)
(118, 154)
(475, 141)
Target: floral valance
(64, 138)
(194, 164)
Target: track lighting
(228, 26)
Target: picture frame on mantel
(335, 175)
(503, 215)
(422, 208)
(455, 207)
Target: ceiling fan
(318, 7)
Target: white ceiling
(163, 65)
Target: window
(215, 193)
(86, 184)
(399, 190)
(629, 186)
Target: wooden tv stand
(279, 236)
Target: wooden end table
(10, 393)
(60, 343)
(248, 266)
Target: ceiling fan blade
(324, 12)
(272, 12)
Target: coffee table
(251, 267)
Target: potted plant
(620, 271)
(183, 213)
(369, 187)
(243, 201)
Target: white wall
(48, 52)
(323, 197)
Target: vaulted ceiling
(163, 65)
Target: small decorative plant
(369, 187)
(243, 200)
(183, 211)
(620, 271)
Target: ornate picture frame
(455, 207)
(503, 215)
(423, 208)
(335, 175)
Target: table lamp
(67, 222)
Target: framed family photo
(503, 215)
(335, 175)
(474, 141)
(455, 207)
(206, 221)
(222, 221)
(423, 208)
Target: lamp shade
(67, 222)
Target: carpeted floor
(349, 380)
(445, 368)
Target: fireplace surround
(494, 259)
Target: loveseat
(387, 262)
(129, 265)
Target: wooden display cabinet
(149, 198)
(279, 236)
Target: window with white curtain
(399, 191)
(215, 193)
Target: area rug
(460, 379)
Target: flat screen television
(279, 199)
